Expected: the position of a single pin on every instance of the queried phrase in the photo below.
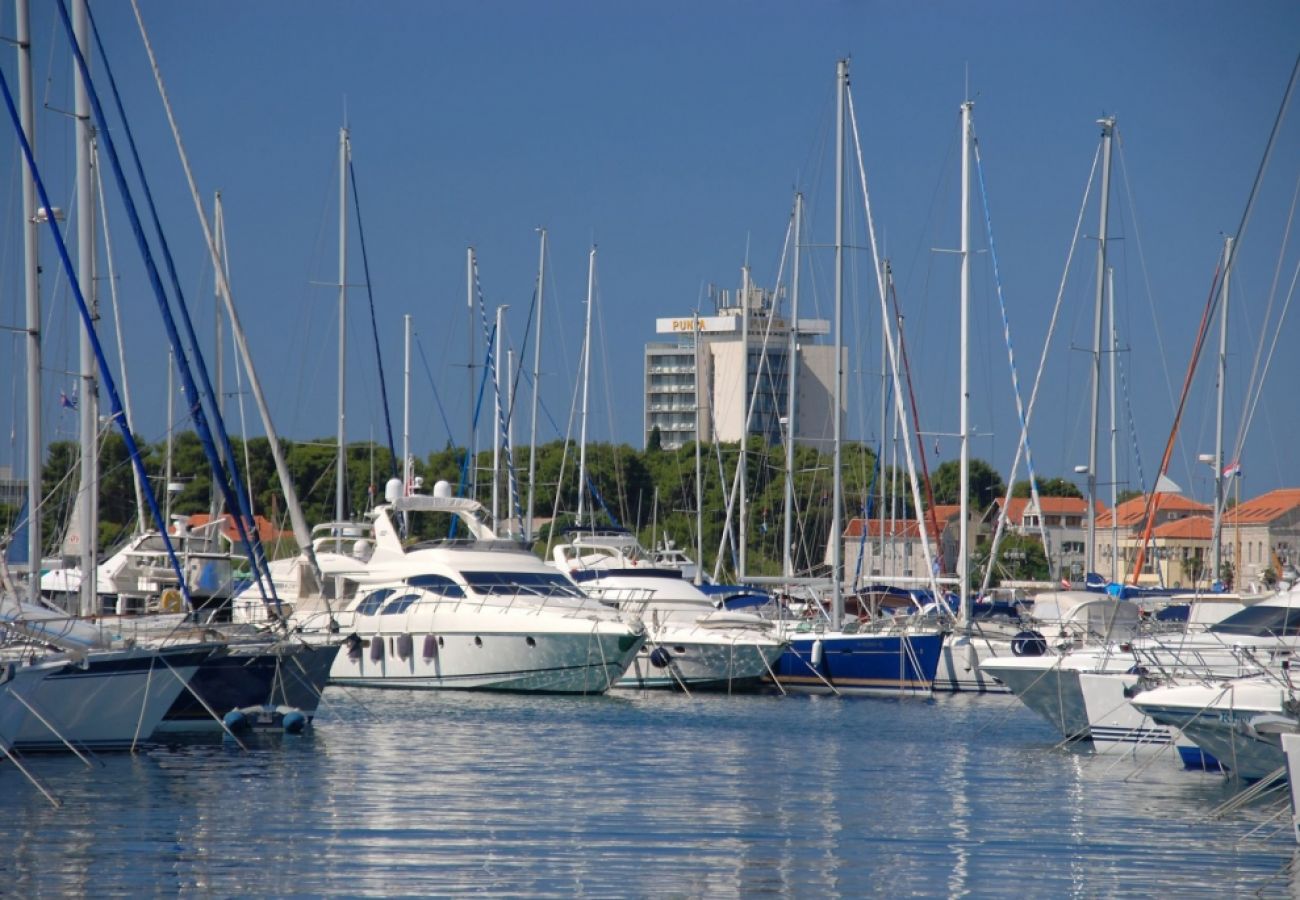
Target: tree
(1127, 494)
(1020, 558)
(985, 483)
(1048, 487)
(656, 442)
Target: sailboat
(832, 655)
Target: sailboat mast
(340, 500)
(699, 465)
(218, 223)
(791, 405)
(537, 384)
(586, 378)
(1114, 430)
(743, 462)
(837, 481)
(1216, 544)
(32, 296)
(89, 393)
(471, 438)
(498, 373)
(963, 548)
(1107, 128)
(171, 428)
(406, 403)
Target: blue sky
(673, 135)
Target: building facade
(705, 376)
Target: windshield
(1261, 621)
(541, 584)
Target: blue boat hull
(880, 664)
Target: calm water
(428, 794)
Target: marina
(701, 547)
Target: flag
(1232, 469)
(68, 402)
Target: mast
(837, 493)
(406, 404)
(471, 443)
(791, 405)
(699, 466)
(1216, 544)
(511, 500)
(89, 393)
(537, 383)
(171, 428)
(586, 376)
(963, 548)
(301, 532)
(219, 225)
(1090, 553)
(498, 370)
(1114, 431)
(32, 296)
(743, 515)
(340, 500)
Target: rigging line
(1268, 316)
(1042, 359)
(931, 513)
(478, 406)
(117, 330)
(1132, 425)
(1153, 502)
(433, 384)
(884, 317)
(494, 357)
(110, 386)
(1011, 363)
(374, 325)
(1146, 275)
(227, 478)
(253, 546)
(1259, 387)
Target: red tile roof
(1131, 513)
(266, 531)
(1195, 528)
(1265, 508)
(1050, 506)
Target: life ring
(171, 601)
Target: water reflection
(423, 793)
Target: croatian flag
(67, 402)
(1232, 470)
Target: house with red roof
(893, 549)
(1061, 521)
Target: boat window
(541, 584)
(368, 606)
(437, 584)
(399, 604)
(1261, 621)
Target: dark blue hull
(883, 664)
(252, 675)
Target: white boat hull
(112, 703)
(697, 662)
(959, 664)
(588, 662)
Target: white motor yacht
(690, 642)
(469, 612)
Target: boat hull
(241, 676)
(587, 662)
(867, 664)
(695, 665)
(959, 665)
(1044, 685)
(112, 702)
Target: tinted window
(540, 584)
(438, 584)
(1261, 621)
(368, 606)
(399, 604)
